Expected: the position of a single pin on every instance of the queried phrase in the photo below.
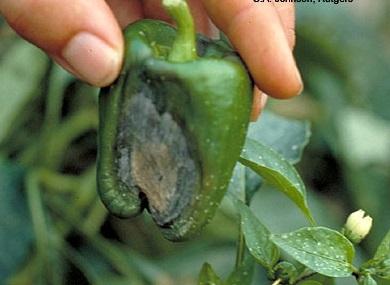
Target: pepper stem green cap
(184, 46)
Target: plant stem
(54, 98)
(77, 259)
(114, 254)
(30, 271)
(59, 139)
(59, 182)
(37, 213)
(241, 195)
(69, 130)
(53, 106)
(96, 217)
(240, 254)
(184, 46)
(87, 189)
(304, 275)
(81, 201)
(39, 222)
(277, 282)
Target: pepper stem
(184, 46)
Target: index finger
(256, 31)
(286, 12)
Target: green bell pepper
(173, 124)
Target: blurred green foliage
(48, 123)
(345, 65)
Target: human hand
(84, 36)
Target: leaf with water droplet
(242, 275)
(323, 250)
(379, 265)
(207, 276)
(237, 182)
(286, 136)
(253, 183)
(277, 171)
(257, 237)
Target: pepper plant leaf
(286, 271)
(277, 171)
(286, 136)
(253, 183)
(367, 280)
(15, 225)
(323, 250)
(310, 282)
(242, 275)
(383, 251)
(207, 276)
(21, 71)
(380, 263)
(237, 183)
(257, 237)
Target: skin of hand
(84, 36)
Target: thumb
(81, 35)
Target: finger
(286, 13)
(256, 104)
(264, 100)
(153, 9)
(82, 35)
(257, 33)
(259, 101)
(126, 11)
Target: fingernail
(93, 59)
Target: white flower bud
(357, 226)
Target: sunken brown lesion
(154, 171)
(153, 157)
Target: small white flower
(357, 226)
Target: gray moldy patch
(153, 157)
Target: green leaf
(286, 136)
(286, 271)
(21, 71)
(257, 237)
(321, 249)
(310, 282)
(15, 224)
(253, 183)
(237, 182)
(97, 269)
(367, 280)
(277, 171)
(383, 251)
(242, 275)
(380, 263)
(325, 280)
(207, 276)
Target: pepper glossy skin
(171, 129)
